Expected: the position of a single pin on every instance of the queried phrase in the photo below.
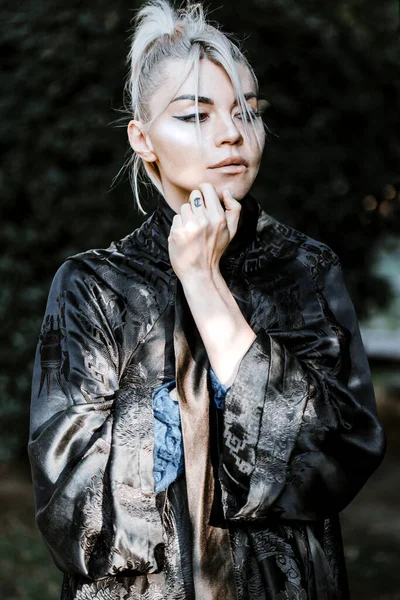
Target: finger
(231, 204)
(213, 202)
(232, 212)
(176, 222)
(197, 203)
(187, 212)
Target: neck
(174, 196)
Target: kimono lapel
(212, 561)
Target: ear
(140, 142)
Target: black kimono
(296, 440)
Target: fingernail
(228, 191)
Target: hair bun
(154, 20)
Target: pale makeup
(172, 142)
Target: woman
(202, 407)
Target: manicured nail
(228, 191)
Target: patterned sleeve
(77, 459)
(301, 432)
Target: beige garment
(211, 553)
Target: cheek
(176, 146)
(254, 150)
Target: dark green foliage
(330, 71)
(29, 572)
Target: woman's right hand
(202, 231)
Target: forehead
(214, 82)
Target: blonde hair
(162, 33)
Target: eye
(192, 118)
(255, 114)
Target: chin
(239, 190)
(240, 185)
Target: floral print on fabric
(220, 390)
(168, 447)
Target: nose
(227, 131)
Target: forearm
(225, 332)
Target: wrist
(200, 278)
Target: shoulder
(94, 269)
(104, 265)
(78, 267)
(75, 287)
(122, 274)
(284, 243)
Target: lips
(230, 161)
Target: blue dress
(168, 446)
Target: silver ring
(197, 202)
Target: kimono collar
(245, 234)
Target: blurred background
(331, 168)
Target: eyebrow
(205, 100)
